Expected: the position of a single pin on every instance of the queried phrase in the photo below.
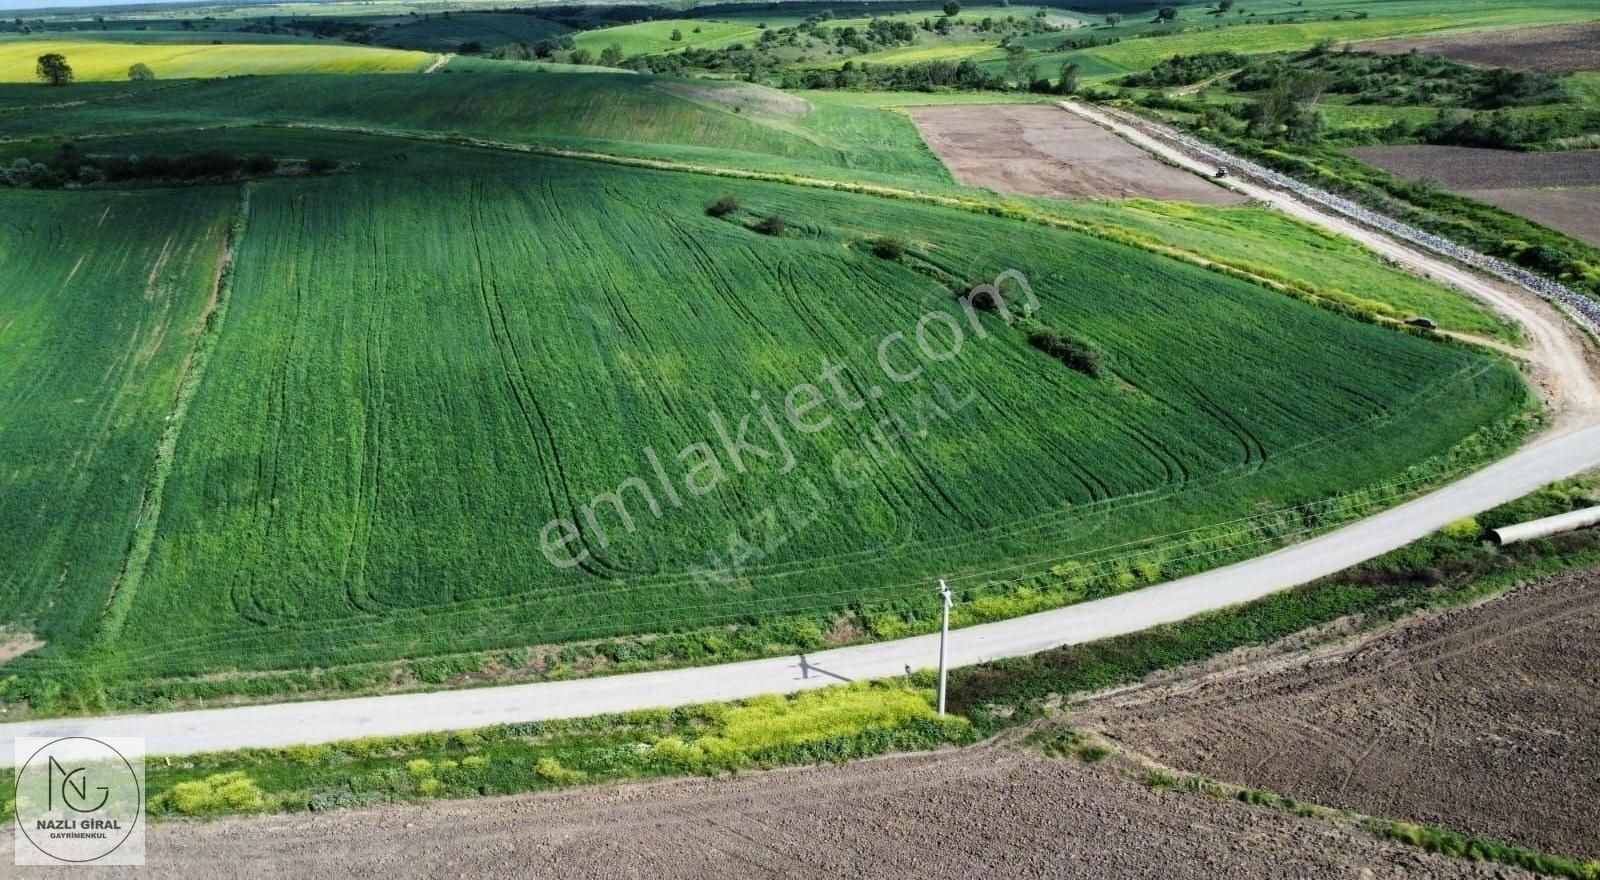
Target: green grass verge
(1484, 849)
(828, 725)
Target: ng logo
(79, 800)
(74, 794)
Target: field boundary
(126, 584)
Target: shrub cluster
(70, 166)
(1076, 353)
(772, 224)
(888, 247)
(1183, 70)
(1410, 79)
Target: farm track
(1562, 358)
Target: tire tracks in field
(369, 480)
(837, 561)
(525, 378)
(517, 382)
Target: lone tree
(1166, 13)
(54, 69)
(1114, 19)
(141, 72)
(1016, 63)
(611, 56)
(952, 8)
(1071, 74)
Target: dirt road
(1480, 720)
(910, 816)
(1563, 363)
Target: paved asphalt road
(1574, 448)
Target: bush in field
(141, 72)
(260, 164)
(723, 207)
(1075, 353)
(772, 224)
(888, 247)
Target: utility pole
(944, 639)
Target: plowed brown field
(1480, 720)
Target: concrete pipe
(1544, 528)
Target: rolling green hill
(420, 369)
(656, 36)
(728, 122)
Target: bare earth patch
(1480, 720)
(15, 644)
(1458, 168)
(1559, 189)
(983, 812)
(1037, 149)
(1575, 210)
(1560, 48)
